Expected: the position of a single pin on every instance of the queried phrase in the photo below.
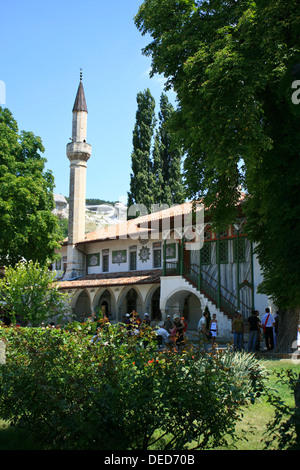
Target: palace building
(165, 262)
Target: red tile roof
(114, 279)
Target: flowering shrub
(112, 391)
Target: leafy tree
(141, 183)
(63, 227)
(232, 65)
(28, 227)
(29, 293)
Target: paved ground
(227, 343)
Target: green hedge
(71, 390)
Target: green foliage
(72, 390)
(226, 62)
(96, 201)
(29, 293)
(286, 421)
(167, 156)
(28, 227)
(140, 178)
(156, 177)
(63, 225)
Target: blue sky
(43, 46)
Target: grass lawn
(252, 426)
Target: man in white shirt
(267, 323)
(163, 334)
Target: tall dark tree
(156, 176)
(233, 67)
(28, 228)
(141, 183)
(157, 171)
(170, 173)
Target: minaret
(78, 152)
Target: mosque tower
(78, 152)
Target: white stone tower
(78, 152)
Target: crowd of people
(171, 332)
(254, 326)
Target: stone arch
(81, 305)
(184, 303)
(106, 297)
(130, 298)
(152, 303)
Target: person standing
(253, 325)
(237, 329)
(168, 324)
(146, 320)
(202, 330)
(179, 325)
(213, 328)
(268, 322)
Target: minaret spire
(78, 152)
(80, 103)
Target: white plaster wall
(114, 245)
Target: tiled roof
(138, 227)
(114, 279)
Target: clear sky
(43, 46)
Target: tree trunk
(287, 330)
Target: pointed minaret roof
(80, 103)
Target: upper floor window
(157, 255)
(105, 261)
(132, 258)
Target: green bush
(71, 390)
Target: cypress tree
(168, 171)
(141, 182)
(156, 177)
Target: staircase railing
(209, 286)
